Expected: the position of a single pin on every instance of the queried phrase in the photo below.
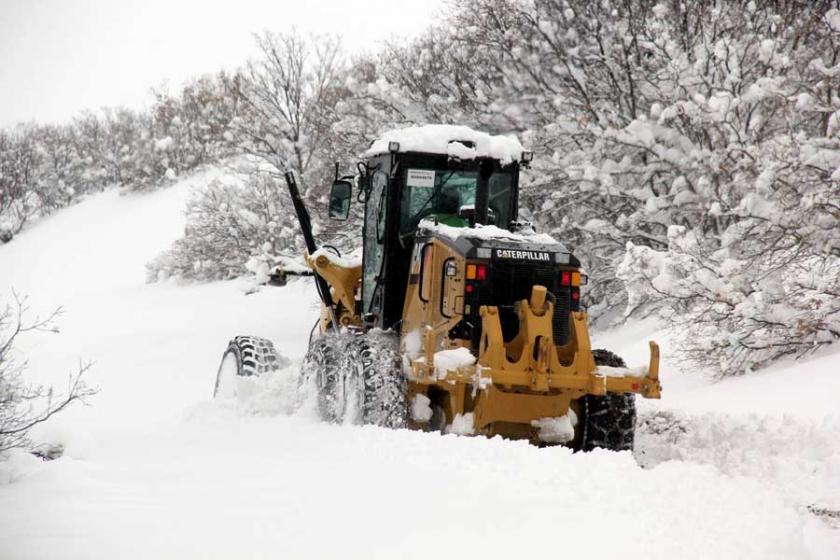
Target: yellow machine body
(511, 385)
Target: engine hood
(490, 242)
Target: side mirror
(340, 194)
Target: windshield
(446, 192)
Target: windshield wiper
(415, 219)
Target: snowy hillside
(155, 469)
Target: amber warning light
(476, 272)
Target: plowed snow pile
(155, 469)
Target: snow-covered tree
(285, 106)
(89, 132)
(62, 171)
(288, 99)
(746, 164)
(193, 126)
(678, 129)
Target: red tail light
(481, 272)
(566, 278)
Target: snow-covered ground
(155, 469)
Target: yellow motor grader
(457, 317)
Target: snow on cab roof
(449, 140)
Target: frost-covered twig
(24, 405)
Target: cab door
(376, 212)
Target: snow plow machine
(457, 318)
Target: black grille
(509, 282)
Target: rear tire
(609, 421)
(245, 356)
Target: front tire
(245, 356)
(321, 371)
(609, 421)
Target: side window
(381, 210)
(375, 215)
(500, 197)
(426, 273)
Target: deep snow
(155, 469)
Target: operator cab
(448, 176)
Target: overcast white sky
(58, 57)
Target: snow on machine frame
(459, 318)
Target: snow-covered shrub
(41, 169)
(742, 161)
(286, 104)
(232, 226)
(238, 226)
(61, 175)
(192, 127)
(20, 198)
(46, 167)
(767, 286)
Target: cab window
(446, 192)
